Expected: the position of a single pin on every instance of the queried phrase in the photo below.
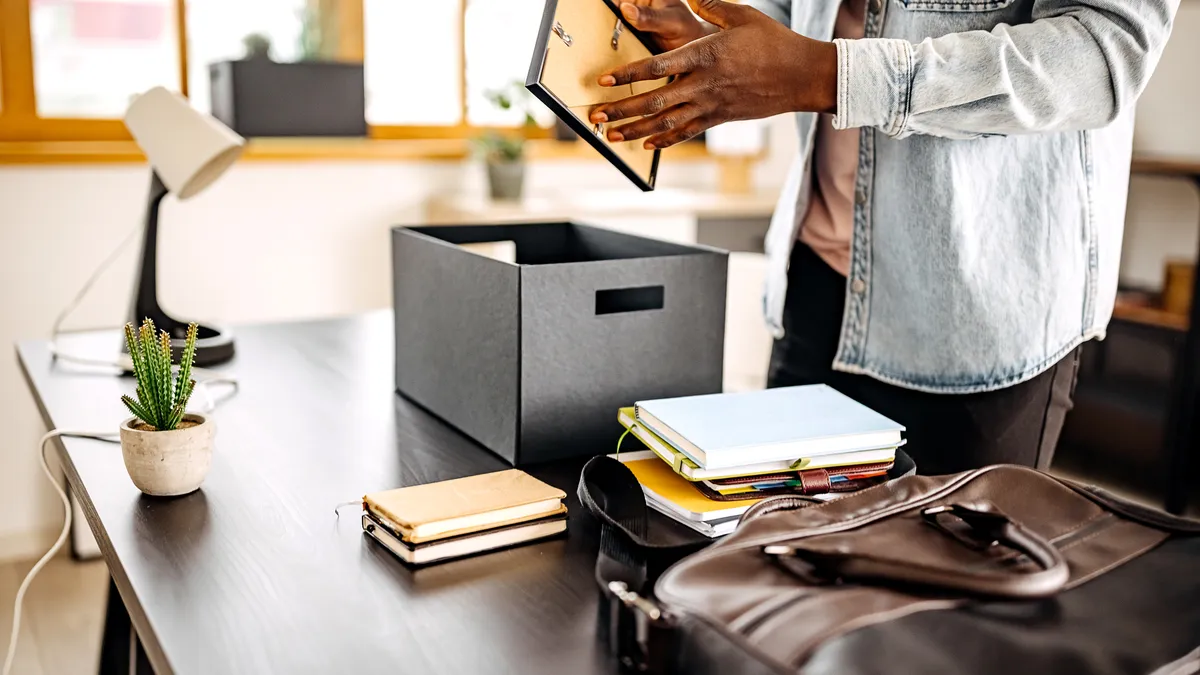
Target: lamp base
(214, 344)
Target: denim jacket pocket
(954, 5)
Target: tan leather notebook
(579, 40)
(464, 505)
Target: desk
(254, 574)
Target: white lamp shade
(187, 148)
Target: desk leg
(1181, 419)
(121, 653)
(114, 645)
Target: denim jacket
(992, 177)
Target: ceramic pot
(506, 180)
(168, 463)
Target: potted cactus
(167, 450)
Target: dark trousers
(946, 433)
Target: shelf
(1150, 316)
(1165, 166)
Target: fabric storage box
(532, 356)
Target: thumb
(719, 13)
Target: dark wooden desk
(254, 574)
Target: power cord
(110, 437)
(205, 380)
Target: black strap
(638, 635)
(609, 490)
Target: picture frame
(594, 136)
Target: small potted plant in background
(167, 450)
(257, 47)
(504, 151)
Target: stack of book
(454, 518)
(712, 457)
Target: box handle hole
(622, 300)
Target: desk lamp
(187, 151)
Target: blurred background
(407, 113)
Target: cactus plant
(160, 401)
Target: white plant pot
(168, 463)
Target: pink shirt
(829, 223)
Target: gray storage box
(533, 359)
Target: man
(951, 230)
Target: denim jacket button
(876, 6)
(858, 286)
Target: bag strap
(1134, 511)
(637, 631)
(611, 493)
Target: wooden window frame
(20, 122)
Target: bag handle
(987, 527)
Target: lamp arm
(145, 293)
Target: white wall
(1163, 216)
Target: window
(91, 56)
(496, 58)
(412, 73)
(69, 67)
(217, 29)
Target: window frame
(20, 122)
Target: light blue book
(719, 431)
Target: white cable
(205, 378)
(91, 281)
(58, 543)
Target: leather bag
(1000, 570)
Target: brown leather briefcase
(1000, 570)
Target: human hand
(669, 22)
(753, 67)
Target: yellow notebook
(454, 507)
(691, 471)
(671, 490)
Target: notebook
(676, 497)
(455, 547)
(461, 506)
(720, 431)
(691, 471)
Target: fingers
(677, 62)
(649, 103)
(679, 134)
(645, 18)
(720, 13)
(676, 119)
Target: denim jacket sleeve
(1078, 65)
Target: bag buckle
(637, 627)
